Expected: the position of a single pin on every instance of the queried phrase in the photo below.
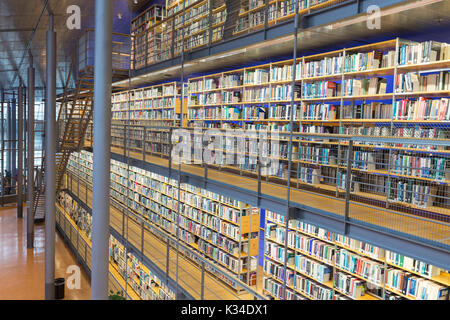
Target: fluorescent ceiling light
(225, 55)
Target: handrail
(386, 139)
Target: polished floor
(22, 269)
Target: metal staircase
(76, 106)
(73, 119)
(39, 195)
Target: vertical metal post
(142, 239)
(3, 143)
(19, 182)
(143, 145)
(50, 160)
(291, 120)
(167, 260)
(30, 157)
(179, 164)
(102, 142)
(202, 294)
(8, 141)
(348, 182)
(13, 141)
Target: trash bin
(59, 288)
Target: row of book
(149, 115)
(276, 289)
(414, 82)
(425, 167)
(422, 109)
(144, 104)
(423, 52)
(314, 269)
(425, 269)
(409, 191)
(363, 87)
(361, 61)
(316, 155)
(368, 269)
(78, 214)
(415, 287)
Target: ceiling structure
(21, 20)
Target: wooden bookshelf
(144, 38)
(150, 288)
(155, 104)
(145, 283)
(364, 252)
(192, 20)
(252, 12)
(68, 214)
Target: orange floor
(22, 269)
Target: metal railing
(82, 250)
(120, 51)
(161, 250)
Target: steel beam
(13, 140)
(102, 142)
(50, 161)
(19, 182)
(2, 124)
(30, 157)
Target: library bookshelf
(396, 88)
(144, 41)
(360, 261)
(328, 265)
(74, 223)
(221, 229)
(198, 22)
(145, 283)
(252, 13)
(158, 104)
(183, 25)
(142, 283)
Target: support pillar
(13, 145)
(3, 143)
(30, 157)
(102, 142)
(50, 164)
(19, 182)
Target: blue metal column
(102, 142)
(13, 140)
(19, 182)
(30, 157)
(50, 164)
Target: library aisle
(22, 275)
